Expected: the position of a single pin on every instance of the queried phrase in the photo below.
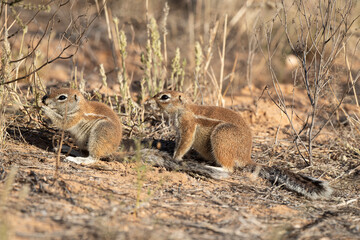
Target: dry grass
(220, 53)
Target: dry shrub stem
(74, 46)
(232, 75)
(220, 100)
(320, 38)
(60, 144)
(350, 75)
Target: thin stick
(232, 74)
(76, 44)
(222, 62)
(57, 163)
(166, 12)
(350, 75)
(107, 19)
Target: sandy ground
(127, 199)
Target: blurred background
(229, 41)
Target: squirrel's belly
(81, 132)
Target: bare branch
(76, 44)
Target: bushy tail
(162, 159)
(307, 186)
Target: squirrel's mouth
(43, 100)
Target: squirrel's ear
(181, 99)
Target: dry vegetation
(290, 67)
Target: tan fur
(94, 126)
(221, 135)
(217, 133)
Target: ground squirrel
(221, 135)
(94, 126)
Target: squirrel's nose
(44, 99)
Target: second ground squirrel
(222, 136)
(94, 126)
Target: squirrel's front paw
(48, 111)
(45, 108)
(177, 159)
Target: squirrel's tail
(162, 159)
(305, 185)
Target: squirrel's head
(63, 100)
(170, 101)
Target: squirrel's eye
(62, 97)
(164, 97)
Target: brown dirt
(129, 200)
